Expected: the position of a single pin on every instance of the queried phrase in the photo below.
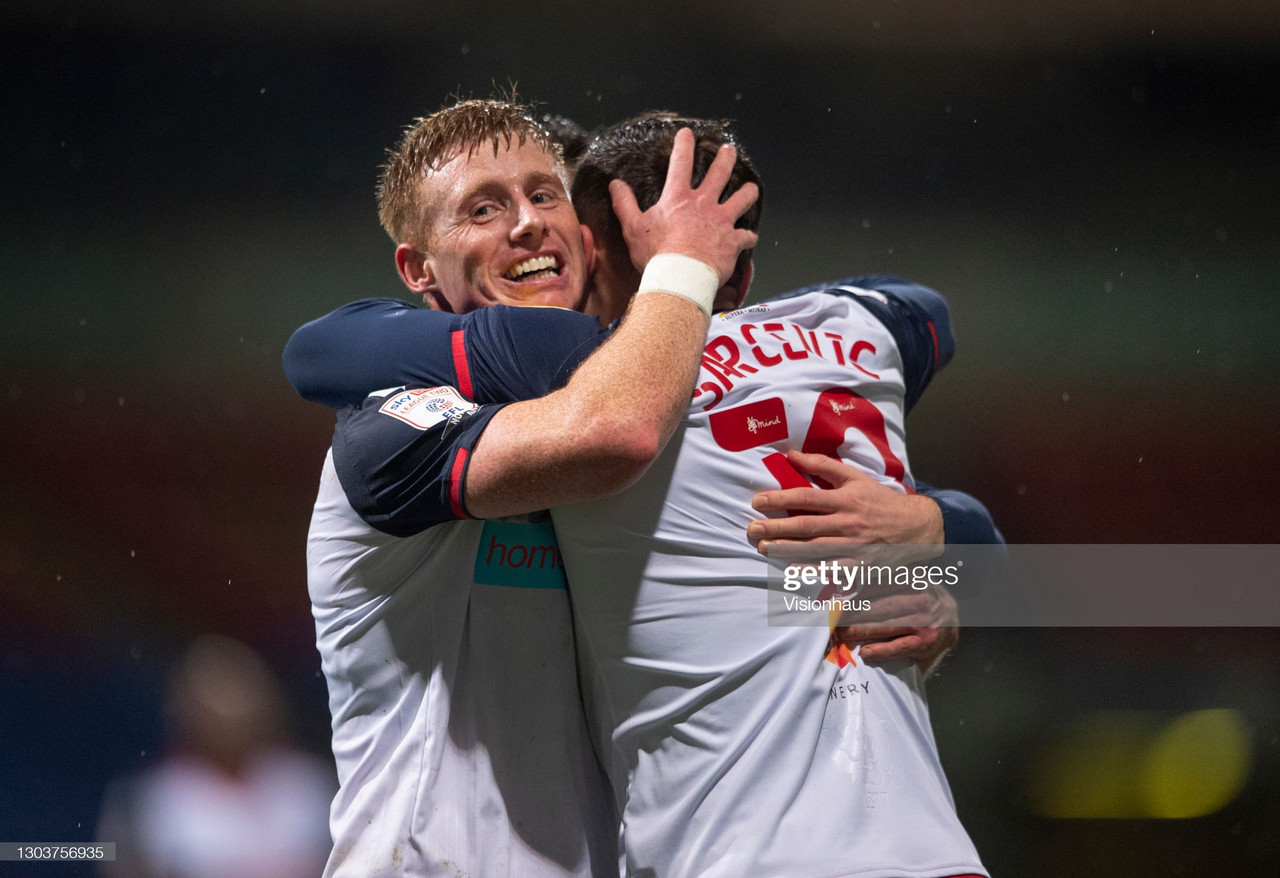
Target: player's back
(742, 750)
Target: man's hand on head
(686, 220)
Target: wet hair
(431, 141)
(572, 138)
(637, 151)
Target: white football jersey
(458, 731)
(738, 748)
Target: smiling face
(501, 231)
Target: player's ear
(417, 273)
(731, 296)
(412, 266)
(588, 249)
(748, 272)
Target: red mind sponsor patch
(757, 423)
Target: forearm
(601, 431)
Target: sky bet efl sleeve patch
(424, 409)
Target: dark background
(1094, 186)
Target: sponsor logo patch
(424, 409)
(750, 425)
(519, 555)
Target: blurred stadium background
(1095, 186)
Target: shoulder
(527, 319)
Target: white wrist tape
(681, 276)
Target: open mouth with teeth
(534, 268)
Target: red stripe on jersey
(937, 355)
(464, 372)
(455, 482)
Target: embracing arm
(601, 431)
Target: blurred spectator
(230, 797)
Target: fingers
(884, 623)
(832, 470)
(680, 165)
(740, 202)
(721, 168)
(795, 499)
(799, 528)
(744, 239)
(835, 472)
(625, 205)
(624, 202)
(718, 176)
(908, 647)
(719, 173)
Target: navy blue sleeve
(964, 519)
(498, 354)
(518, 353)
(917, 317)
(402, 456)
(971, 538)
(370, 345)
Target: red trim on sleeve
(937, 355)
(464, 372)
(455, 482)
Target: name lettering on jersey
(849, 690)
(519, 554)
(425, 408)
(757, 346)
